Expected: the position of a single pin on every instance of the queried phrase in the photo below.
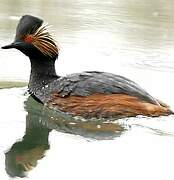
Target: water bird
(89, 94)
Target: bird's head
(33, 39)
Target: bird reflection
(23, 155)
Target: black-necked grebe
(86, 94)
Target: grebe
(86, 94)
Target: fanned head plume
(42, 40)
(32, 37)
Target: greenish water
(11, 84)
(130, 37)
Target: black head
(33, 39)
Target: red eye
(28, 39)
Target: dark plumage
(88, 94)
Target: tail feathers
(167, 107)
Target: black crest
(31, 30)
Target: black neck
(42, 72)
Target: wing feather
(88, 83)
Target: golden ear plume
(43, 41)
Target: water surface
(129, 37)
